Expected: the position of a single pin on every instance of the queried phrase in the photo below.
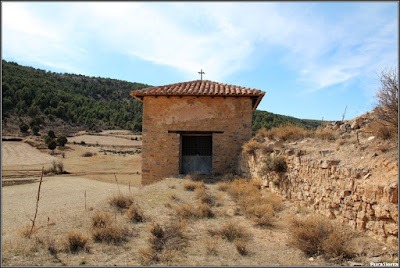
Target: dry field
(177, 221)
(202, 243)
(108, 155)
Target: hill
(87, 102)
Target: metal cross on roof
(201, 74)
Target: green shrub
(51, 134)
(52, 145)
(62, 140)
(35, 130)
(48, 139)
(23, 127)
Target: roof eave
(258, 100)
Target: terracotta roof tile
(200, 88)
(197, 87)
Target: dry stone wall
(338, 192)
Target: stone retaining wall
(336, 191)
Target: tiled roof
(200, 88)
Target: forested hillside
(263, 119)
(76, 99)
(89, 101)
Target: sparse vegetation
(316, 235)
(62, 140)
(287, 133)
(52, 145)
(193, 185)
(134, 214)
(164, 243)
(231, 231)
(76, 241)
(87, 154)
(56, 168)
(324, 133)
(105, 229)
(274, 164)
(23, 127)
(388, 101)
(122, 201)
(251, 147)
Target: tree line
(89, 101)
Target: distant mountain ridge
(92, 102)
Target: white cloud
(220, 37)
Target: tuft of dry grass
(121, 201)
(26, 230)
(101, 219)
(274, 200)
(325, 134)
(164, 243)
(134, 214)
(88, 154)
(104, 229)
(262, 215)
(316, 235)
(257, 182)
(172, 196)
(274, 164)
(188, 211)
(76, 241)
(204, 197)
(211, 245)
(223, 186)
(381, 131)
(111, 234)
(261, 209)
(251, 147)
(288, 133)
(232, 230)
(193, 185)
(204, 211)
(241, 246)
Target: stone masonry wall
(161, 150)
(336, 191)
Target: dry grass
(164, 243)
(204, 197)
(232, 230)
(211, 245)
(134, 214)
(251, 147)
(223, 186)
(56, 168)
(241, 246)
(172, 196)
(105, 229)
(257, 182)
(316, 235)
(88, 154)
(287, 133)
(381, 131)
(26, 230)
(325, 134)
(189, 211)
(274, 164)
(101, 219)
(76, 241)
(193, 185)
(261, 209)
(122, 201)
(111, 234)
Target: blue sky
(311, 58)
